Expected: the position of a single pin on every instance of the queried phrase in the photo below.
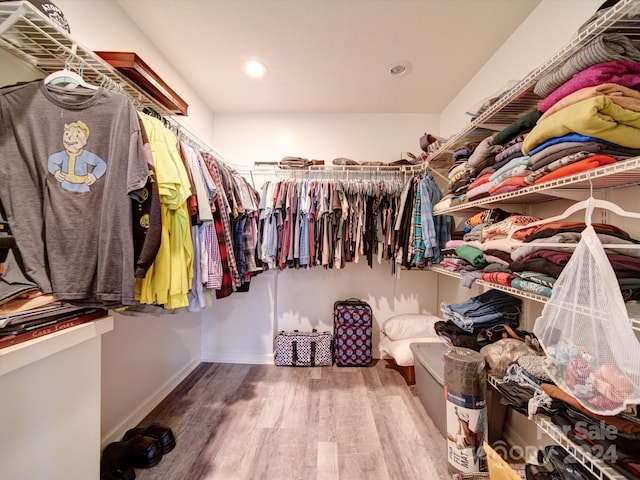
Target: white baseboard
(242, 357)
(143, 410)
(238, 357)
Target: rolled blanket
(532, 287)
(603, 48)
(501, 278)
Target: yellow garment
(619, 94)
(499, 469)
(597, 117)
(169, 278)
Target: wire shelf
(594, 465)
(29, 35)
(495, 286)
(635, 323)
(616, 175)
(621, 18)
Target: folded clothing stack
(298, 162)
(485, 310)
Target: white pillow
(410, 325)
(400, 350)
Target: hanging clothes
(419, 235)
(326, 223)
(70, 163)
(231, 277)
(169, 279)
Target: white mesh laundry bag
(592, 351)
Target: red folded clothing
(509, 185)
(590, 163)
(501, 278)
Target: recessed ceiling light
(400, 69)
(255, 69)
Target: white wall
(246, 138)
(14, 70)
(143, 359)
(241, 327)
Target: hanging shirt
(70, 162)
(223, 225)
(193, 159)
(169, 279)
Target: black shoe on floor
(161, 433)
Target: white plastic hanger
(588, 205)
(71, 79)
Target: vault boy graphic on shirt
(75, 168)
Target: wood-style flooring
(262, 422)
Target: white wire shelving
(616, 175)
(635, 323)
(31, 36)
(623, 17)
(513, 291)
(596, 466)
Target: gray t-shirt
(69, 162)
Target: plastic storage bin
(429, 371)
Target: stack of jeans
(486, 310)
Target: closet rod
(29, 34)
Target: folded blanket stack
(588, 117)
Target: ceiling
(328, 56)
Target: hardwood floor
(250, 422)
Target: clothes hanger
(588, 205)
(71, 79)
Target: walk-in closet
(403, 245)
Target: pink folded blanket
(621, 72)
